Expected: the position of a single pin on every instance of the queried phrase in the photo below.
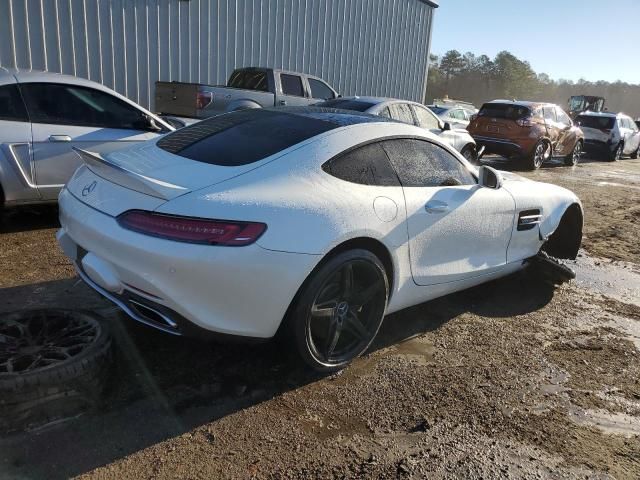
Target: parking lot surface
(512, 378)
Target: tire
(574, 157)
(469, 152)
(550, 269)
(617, 153)
(634, 155)
(536, 158)
(63, 385)
(325, 292)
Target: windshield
(590, 121)
(507, 111)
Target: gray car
(458, 116)
(44, 115)
(409, 112)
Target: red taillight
(192, 230)
(203, 99)
(524, 122)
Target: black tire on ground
(324, 305)
(617, 153)
(634, 155)
(469, 152)
(536, 158)
(550, 269)
(574, 156)
(54, 364)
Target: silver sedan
(413, 113)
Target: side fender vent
(528, 219)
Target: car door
(16, 172)
(64, 116)
(292, 91)
(456, 228)
(566, 135)
(553, 132)
(634, 136)
(428, 120)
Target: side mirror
(489, 177)
(446, 126)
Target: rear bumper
(597, 146)
(505, 148)
(181, 288)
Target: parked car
(412, 113)
(609, 134)
(44, 115)
(249, 87)
(314, 221)
(530, 131)
(457, 116)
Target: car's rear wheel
(617, 153)
(537, 156)
(635, 154)
(339, 310)
(574, 157)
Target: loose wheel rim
(43, 339)
(539, 155)
(346, 312)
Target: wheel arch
(566, 239)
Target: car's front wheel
(574, 157)
(339, 310)
(617, 153)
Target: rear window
(346, 104)
(249, 79)
(244, 137)
(590, 121)
(504, 110)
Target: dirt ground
(512, 379)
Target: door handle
(282, 102)
(436, 206)
(59, 138)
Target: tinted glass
(291, 85)
(73, 105)
(346, 104)
(401, 112)
(437, 110)
(425, 118)
(243, 137)
(249, 80)
(367, 165)
(507, 111)
(320, 89)
(589, 121)
(11, 105)
(424, 164)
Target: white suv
(609, 134)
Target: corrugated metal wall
(365, 47)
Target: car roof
(29, 76)
(601, 114)
(523, 103)
(377, 100)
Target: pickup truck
(249, 87)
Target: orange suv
(531, 131)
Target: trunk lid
(498, 120)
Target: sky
(570, 39)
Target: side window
(426, 119)
(320, 90)
(11, 105)
(458, 115)
(73, 105)
(549, 114)
(366, 165)
(563, 117)
(385, 112)
(291, 85)
(401, 112)
(423, 164)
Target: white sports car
(310, 220)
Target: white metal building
(365, 47)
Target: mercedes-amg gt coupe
(311, 221)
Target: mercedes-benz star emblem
(89, 188)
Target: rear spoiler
(132, 180)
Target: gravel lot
(509, 379)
